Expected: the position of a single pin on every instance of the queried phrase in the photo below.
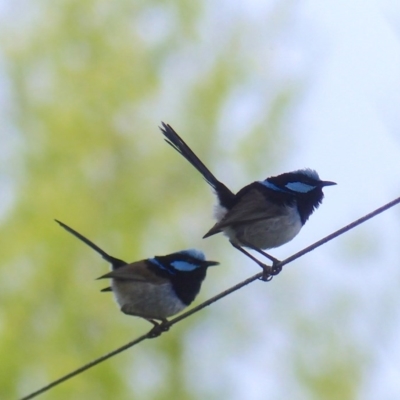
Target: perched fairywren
(263, 214)
(156, 288)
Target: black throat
(186, 285)
(307, 203)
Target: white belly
(267, 233)
(147, 300)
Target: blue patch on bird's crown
(299, 187)
(197, 254)
(184, 266)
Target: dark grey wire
(212, 300)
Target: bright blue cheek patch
(299, 187)
(271, 186)
(183, 266)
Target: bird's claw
(276, 268)
(266, 276)
(270, 271)
(157, 330)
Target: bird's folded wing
(252, 207)
(137, 271)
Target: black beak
(327, 183)
(210, 263)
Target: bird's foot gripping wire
(269, 271)
(158, 328)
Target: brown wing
(137, 271)
(252, 207)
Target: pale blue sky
(347, 128)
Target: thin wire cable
(85, 367)
(148, 335)
(340, 231)
(165, 327)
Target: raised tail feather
(225, 196)
(115, 262)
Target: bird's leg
(158, 328)
(276, 268)
(273, 259)
(267, 273)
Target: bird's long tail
(115, 262)
(174, 140)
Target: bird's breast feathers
(266, 233)
(146, 299)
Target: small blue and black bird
(264, 214)
(156, 288)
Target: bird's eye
(299, 187)
(183, 266)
